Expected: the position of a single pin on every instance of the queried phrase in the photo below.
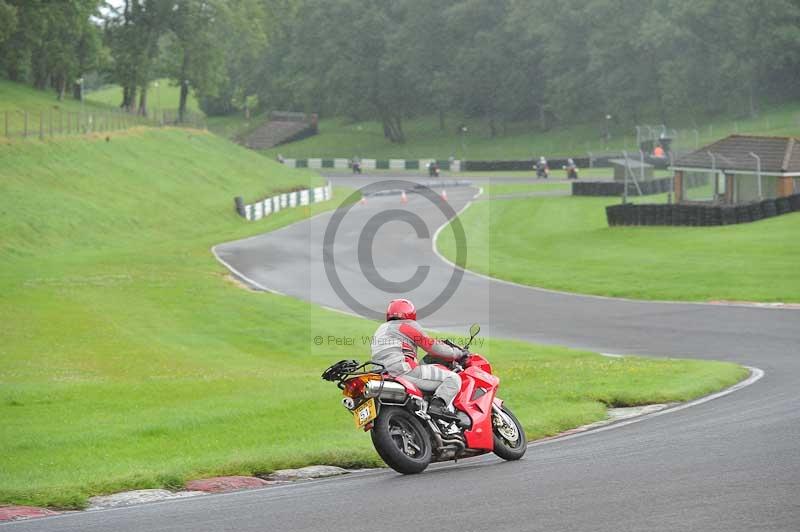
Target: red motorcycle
(406, 437)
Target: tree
(196, 58)
(8, 20)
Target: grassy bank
(340, 138)
(162, 94)
(131, 360)
(565, 244)
(16, 100)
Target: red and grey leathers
(395, 346)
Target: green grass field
(503, 189)
(340, 138)
(162, 94)
(129, 359)
(565, 244)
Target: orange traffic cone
(444, 194)
(403, 197)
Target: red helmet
(401, 309)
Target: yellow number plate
(365, 413)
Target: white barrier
(366, 164)
(287, 200)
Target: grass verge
(129, 360)
(566, 244)
(492, 190)
(523, 140)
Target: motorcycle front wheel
(401, 440)
(509, 438)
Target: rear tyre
(509, 438)
(401, 440)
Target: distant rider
(355, 164)
(571, 168)
(542, 170)
(395, 347)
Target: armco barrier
(523, 165)
(371, 164)
(285, 200)
(699, 214)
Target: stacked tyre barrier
(700, 215)
(597, 188)
(617, 188)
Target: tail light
(355, 387)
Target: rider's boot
(438, 407)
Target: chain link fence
(56, 122)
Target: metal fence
(56, 122)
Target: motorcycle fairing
(476, 396)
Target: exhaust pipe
(387, 391)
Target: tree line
(543, 61)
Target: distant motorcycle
(542, 171)
(572, 169)
(356, 166)
(407, 437)
(433, 169)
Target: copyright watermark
(334, 340)
(365, 243)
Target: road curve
(726, 465)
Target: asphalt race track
(731, 464)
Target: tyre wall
(700, 214)
(617, 188)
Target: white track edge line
(755, 375)
(765, 306)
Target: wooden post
(729, 185)
(25, 131)
(785, 186)
(41, 125)
(50, 120)
(678, 185)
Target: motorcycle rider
(355, 164)
(542, 170)
(571, 168)
(395, 347)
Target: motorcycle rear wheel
(401, 440)
(510, 442)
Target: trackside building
(741, 169)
